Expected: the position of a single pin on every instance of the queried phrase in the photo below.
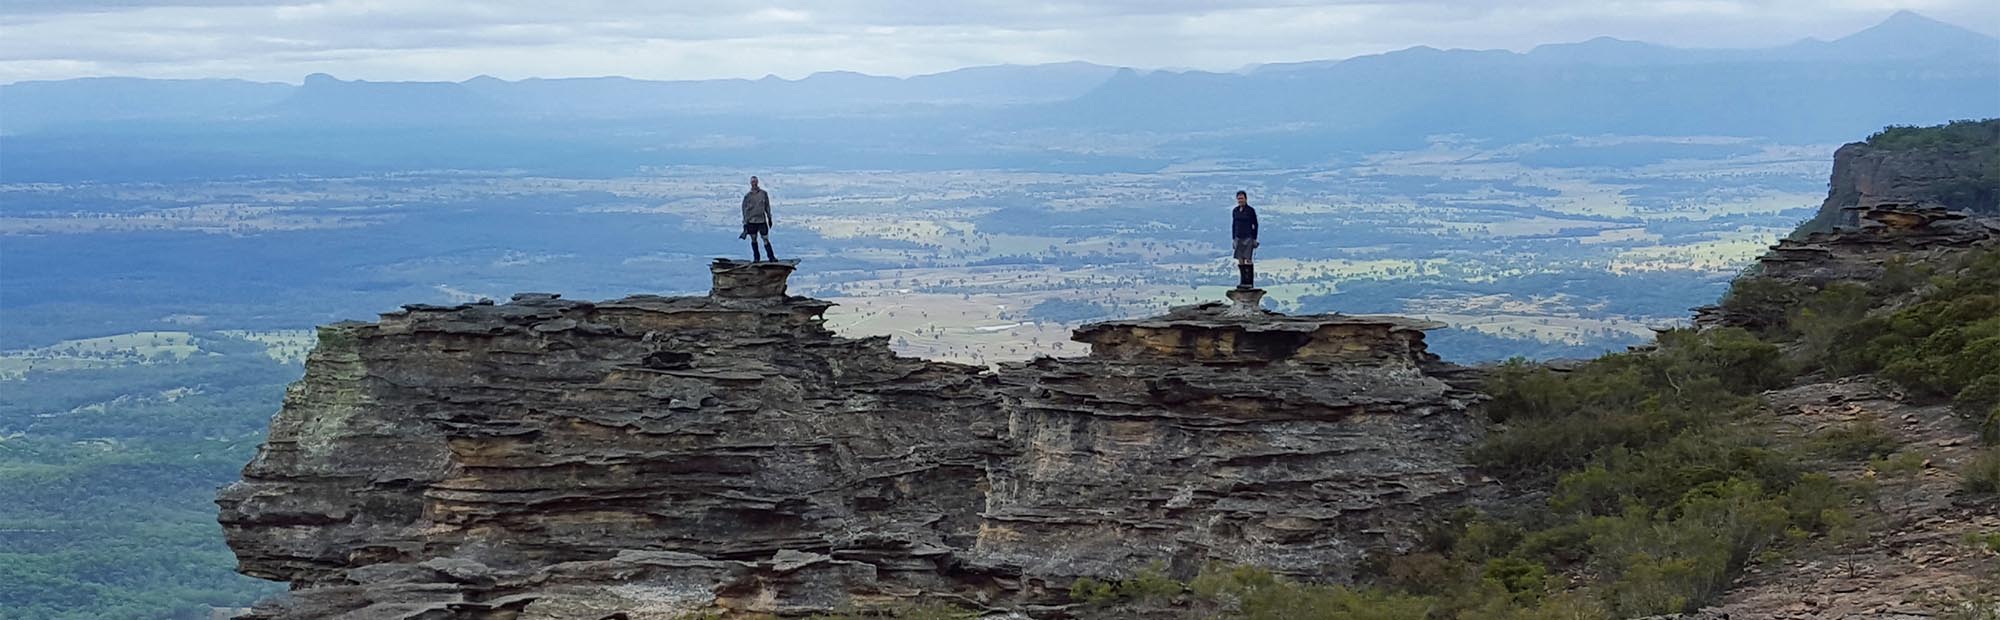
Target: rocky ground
(1909, 555)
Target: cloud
(430, 39)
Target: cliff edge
(657, 457)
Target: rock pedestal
(656, 458)
(742, 279)
(1247, 302)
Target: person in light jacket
(757, 221)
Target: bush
(904, 611)
(1901, 465)
(1982, 473)
(1988, 542)
(1981, 395)
(1989, 430)
(1762, 302)
(1860, 440)
(1630, 400)
(1255, 594)
(1151, 585)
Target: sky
(282, 40)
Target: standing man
(757, 221)
(1243, 234)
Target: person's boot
(754, 256)
(768, 251)
(1243, 276)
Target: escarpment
(654, 457)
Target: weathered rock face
(656, 456)
(1866, 177)
(1294, 443)
(1883, 233)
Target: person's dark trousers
(1249, 273)
(769, 254)
(754, 232)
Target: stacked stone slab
(660, 456)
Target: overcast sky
(279, 40)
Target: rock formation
(651, 457)
(1953, 174)
(1885, 232)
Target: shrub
(1982, 473)
(1818, 503)
(1988, 541)
(1822, 323)
(1255, 594)
(1989, 430)
(1982, 394)
(1860, 440)
(1151, 585)
(1656, 564)
(1630, 400)
(1900, 275)
(1902, 464)
(1093, 592)
(1762, 302)
(903, 611)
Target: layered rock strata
(652, 457)
(1884, 233)
(1298, 444)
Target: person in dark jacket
(1243, 237)
(757, 221)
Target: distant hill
(26, 106)
(1903, 36)
(32, 106)
(1909, 70)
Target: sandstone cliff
(1955, 167)
(654, 457)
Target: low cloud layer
(430, 40)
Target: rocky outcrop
(651, 457)
(1298, 444)
(1883, 234)
(1947, 173)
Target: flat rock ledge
(650, 458)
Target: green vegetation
(903, 611)
(108, 478)
(1151, 585)
(1956, 135)
(1982, 473)
(1941, 341)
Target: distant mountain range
(1907, 70)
